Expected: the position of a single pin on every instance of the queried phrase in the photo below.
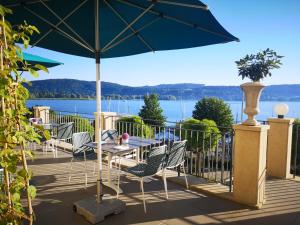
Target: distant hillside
(69, 88)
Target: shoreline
(276, 100)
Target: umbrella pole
(98, 102)
(94, 210)
(98, 132)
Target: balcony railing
(208, 155)
(295, 162)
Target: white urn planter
(252, 92)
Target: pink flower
(125, 136)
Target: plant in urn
(256, 67)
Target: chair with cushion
(175, 157)
(154, 164)
(81, 152)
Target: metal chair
(81, 152)
(175, 157)
(109, 135)
(32, 145)
(154, 164)
(34, 120)
(64, 133)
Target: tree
(16, 132)
(134, 126)
(214, 109)
(151, 112)
(202, 134)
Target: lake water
(173, 110)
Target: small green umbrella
(33, 60)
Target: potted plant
(256, 67)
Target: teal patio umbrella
(114, 28)
(33, 60)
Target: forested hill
(69, 88)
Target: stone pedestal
(279, 148)
(249, 165)
(41, 112)
(108, 120)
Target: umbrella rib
(62, 20)
(126, 28)
(195, 26)
(127, 24)
(130, 35)
(181, 4)
(67, 16)
(27, 3)
(59, 30)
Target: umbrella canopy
(126, 27)
(38, 60)
(114, 28)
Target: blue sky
(259, 24)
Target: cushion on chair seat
(90, 155)
(138, 170)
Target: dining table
(112, 149)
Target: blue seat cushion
(138, 170)
(90, 155)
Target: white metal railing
(208, 155)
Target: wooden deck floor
(56, 195)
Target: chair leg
(119, 174)
(85, 173)
(54, 148)
(94, 171)
(165, 182)
(142, 187)
(70, 170)
(186, 182)
(47, 144)
(58, 142)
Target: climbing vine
(15, 131)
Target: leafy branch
(15, 131)
(259, 66)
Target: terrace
(56, 196)
(236, 175)
(209, 199)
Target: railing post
(42, 112)
(223, 156)
(279, 148)
(250, 146)
(296, 150)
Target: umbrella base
(95, 212)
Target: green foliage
(258, 66)
(15, 131)
(134, 126)
(200, 134)
(296, 143)
(80, 124)
(214, 109)
(151, 112)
